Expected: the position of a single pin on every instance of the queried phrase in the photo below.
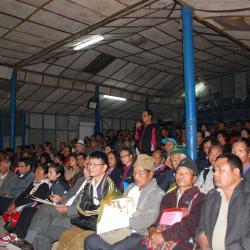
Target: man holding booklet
(146, 196)
(179, 213)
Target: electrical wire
(172, 10)
(218, 11)
(222, 11)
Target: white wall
(86, 129)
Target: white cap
(80, 142)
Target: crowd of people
(49, 195)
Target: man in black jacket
(225, 218)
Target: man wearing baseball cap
(79, 147)
(178, 234)
(168, 144)
(147, 196)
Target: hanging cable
(172, 10)
(217, 11)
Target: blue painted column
(97, 110)
(189, 79)
(2, 123)
(12, 138)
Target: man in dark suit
(225, 218)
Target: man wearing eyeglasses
(147, 196)
(81, 209)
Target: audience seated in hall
(71, 174)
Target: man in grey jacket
(147, 195)
(225, 218)
(7, 177)
(19, 185)
(52, 217)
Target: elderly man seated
(179, 214)
(17, 184)
(147, 196)
(7, 177)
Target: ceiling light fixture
(115, 98)
(88, 42)
(199, 86)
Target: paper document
(44, 201)
(116, 215)
(170, 216)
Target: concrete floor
(2, 231)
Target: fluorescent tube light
(115, 98)
(199, 86)
(88, 42)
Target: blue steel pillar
(189, 79)
(97, 110)
(12, 138)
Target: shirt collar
(159, 166)
(94, 184)
(222, 194)
(3, 176)
(245, 169)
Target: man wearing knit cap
(187, 163)
(178, 234)
(147, 197)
